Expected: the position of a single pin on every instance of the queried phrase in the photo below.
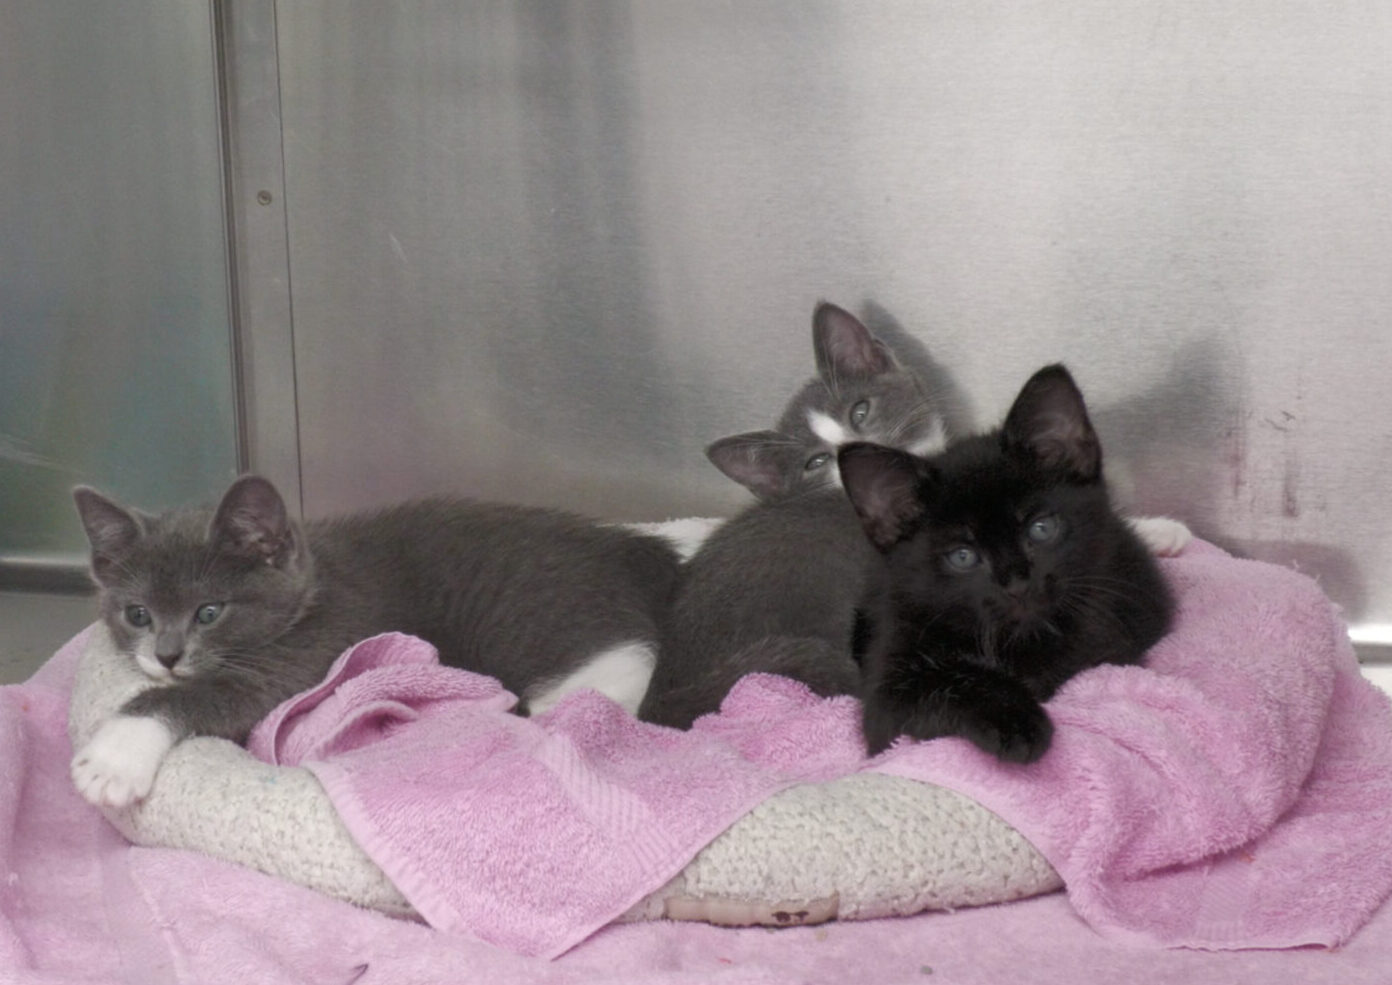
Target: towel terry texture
(533, 833)
(1234, 793)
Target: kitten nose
(1017, 588)
(170, 659)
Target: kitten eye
(138, 616)
(860, 412)
(817, 461)
(207, 613)
(1043, 529)
(962, 558)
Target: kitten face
(859, 394)
(997, 537)
(1001, 553)
(187, 592)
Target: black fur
(1003, 572)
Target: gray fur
(852, 367)
(775, 589)
(522, 594)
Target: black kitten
(1004, 572)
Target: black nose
(1017, 588)
(170, 659)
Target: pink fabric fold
(1236, 792)
(1198, 801)
(533, 833)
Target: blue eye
(817, 461)
(138, 616)
(860, 412)
(1044, 529)
(962, 558)
(208, 613)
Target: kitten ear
(845, 348)
(111, 529)
(252, 520)
(758, 460)
(1049, 422)
(884, 485)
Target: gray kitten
(775, 588)
(237, 609)
(860, 393)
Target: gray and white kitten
(775, 588)
(234, 610)
(860, 393)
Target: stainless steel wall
(115, 334)
(546, 251)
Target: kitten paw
(1165, 537)
(118, 764)
(1016, 731)
(1021, 738)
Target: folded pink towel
(1233, 793)
(533, 833)
(1236, 792)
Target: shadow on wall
(943, 389)
(1169, 448)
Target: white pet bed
(858, 847)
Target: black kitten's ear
(251, 520)
(845, 348)
(885, 487)
(1049, 422)
(761, 461)
(111, 529)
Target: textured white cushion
(858, 847)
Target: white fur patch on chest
(621, 674)
(118, 764)
(828, 428)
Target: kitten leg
(118, 764)
(1163, 536)
(928, 700)
(621, 673)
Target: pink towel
(533, 833)
(1234, 793)
(80, 905)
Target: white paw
(117, 766)
(1164, 537)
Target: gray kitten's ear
(845, 348)
(111, 529)
(1049, 422)
(252, 520)
(885, 487)
(758, 460)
